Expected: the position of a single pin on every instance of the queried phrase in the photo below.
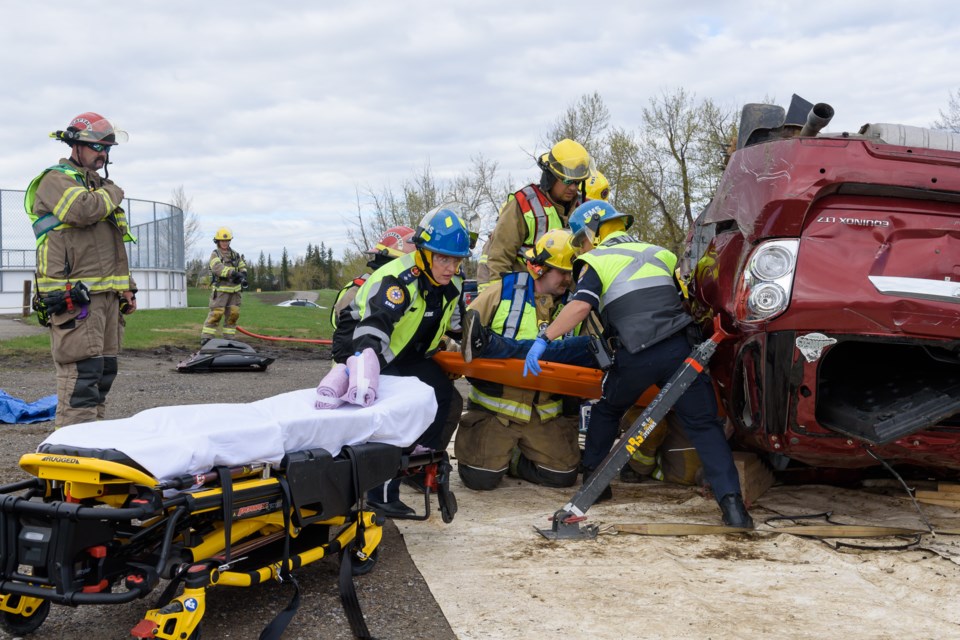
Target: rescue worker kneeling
(511, 431)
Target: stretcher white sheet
(170, 441)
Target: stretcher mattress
(190, 439)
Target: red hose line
(284, 339)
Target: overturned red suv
(834, 262)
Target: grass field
(155, 328)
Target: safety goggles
(573, 181)
(586, 234)
(446, 261)
(98, 147)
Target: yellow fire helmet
(598, 187)
(554, 250)
(567, 160)
(223, 233)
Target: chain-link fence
(158, 255)
(157, 226)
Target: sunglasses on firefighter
(572, 181)
(96, 146)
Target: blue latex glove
(533, 355)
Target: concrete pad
(495, 577)
(17, 327)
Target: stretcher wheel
(21, 625)
(360, 567)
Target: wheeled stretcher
(104, 525)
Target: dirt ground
(395, 599)
(511, 582)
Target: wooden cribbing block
(939, 497)
(755, 476)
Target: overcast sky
(272, 116)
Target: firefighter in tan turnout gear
(229, 276)
(83, 277)
(535, 209)
(520, 432)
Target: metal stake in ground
(566, 521)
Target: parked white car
(299, 303)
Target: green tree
(330, 273)
(270, 278)
(262, 274)
(284, 270)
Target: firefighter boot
(386, 500)
(735, 512)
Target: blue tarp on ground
(16, 411)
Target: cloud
(273, 116)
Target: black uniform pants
(629, 377)
(429, 372)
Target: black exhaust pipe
(817, 119)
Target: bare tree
(950, 119)
(585, 122)
(191, 223)
(480, 189)
(669, 169)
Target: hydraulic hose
(323, 341)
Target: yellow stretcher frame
(82, 521)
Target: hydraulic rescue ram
(566, 521)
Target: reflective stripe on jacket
(639, 300)
(345, 296)
(523, 218)
(223, 267)
(539, 214)
(80, 230)
(404, 269)
(43, 222)
(516, 316)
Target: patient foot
(392, 509)
(474, 336)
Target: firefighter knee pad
(86, 390)
(233, 314)
(541, 475)
(216, 314)
(479, 479)
(558, 479)
(110, 369)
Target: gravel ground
(395, 599)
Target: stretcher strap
(348, 597)
(348, 591)
(275, 629)
(226, 484)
